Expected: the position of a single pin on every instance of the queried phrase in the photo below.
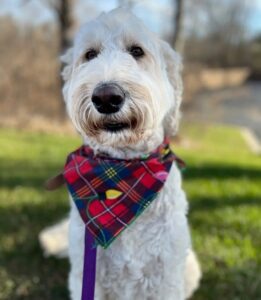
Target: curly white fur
(148, 260)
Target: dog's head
(122, 83)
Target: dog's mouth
(115, 126)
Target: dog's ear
(174, 67)
(67, 60)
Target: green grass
(223, 184)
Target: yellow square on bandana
(110, 172)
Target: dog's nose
(108, 98)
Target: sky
(150, 12)
(157, 15)
(160, 8)
(255, 19)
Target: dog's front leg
(173, 287)
(76, 249)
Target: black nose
(108, 98)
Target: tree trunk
(65, 22)
(62, 9)
(177, 41)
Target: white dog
(123, 92)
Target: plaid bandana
(111, 193)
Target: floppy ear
(67, 60)
(174, 67)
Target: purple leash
(89, 267)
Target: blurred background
(220, 42)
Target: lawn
(223, 184)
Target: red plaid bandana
(111, 193)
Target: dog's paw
(54, 239)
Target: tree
(177, 40)
(62, 9)
(65, 22)
(127, 3)
(216, 33)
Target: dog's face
(122, 84)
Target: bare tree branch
(127, 3)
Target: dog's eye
(136, 51)
(90, 54)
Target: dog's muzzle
(108, 98)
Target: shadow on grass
(33, 217)
(211, 203)
(32, 276)
(233, 283)
(35, 278)
(26, 173)
(24, 272)
(220, 172)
